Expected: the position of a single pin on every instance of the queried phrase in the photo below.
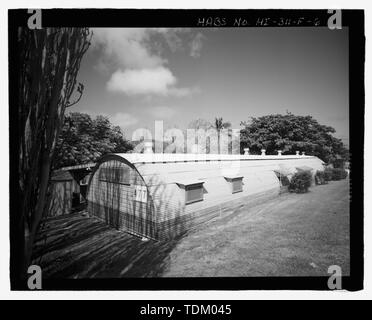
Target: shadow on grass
(77, 246)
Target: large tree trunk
(49, 60)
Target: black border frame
(353, 19)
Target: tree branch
(80, 89)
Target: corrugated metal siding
(258, 176)
(115, 202)
(61, 197)
(169, 199)
(181, 225)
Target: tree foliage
(338, 174)
(328, 174)
(220, 125)
(300, 182)
(320, 177)
(84, 140)
(199, 124)
(49, 61)
(290, 133)
(217, 126)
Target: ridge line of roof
(174, 158)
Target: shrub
(285, 181)
(320, 177)
(300, 182)
(338, 174)
(328, 174)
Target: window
(236, 183)
(194, 191)
(119, 175)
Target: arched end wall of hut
(118, 195)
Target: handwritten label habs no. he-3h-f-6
(334, 21)
(140, 194)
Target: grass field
(292, 235)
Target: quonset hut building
(160, 196)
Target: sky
(137, 76)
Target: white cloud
(136, 67)
(197, 45)
(155, 81)
(123, 119)
(161, 112)
(126, 47)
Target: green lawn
(292, 235)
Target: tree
(220, 125)
(49, 61)
(198, 139)
(84, 140)
(290, 133)
(199, 124)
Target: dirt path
(293, 235)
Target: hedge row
(301, 181)
(329, 174)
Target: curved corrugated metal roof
(61, 176)
(163, 174)
(157, 169)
